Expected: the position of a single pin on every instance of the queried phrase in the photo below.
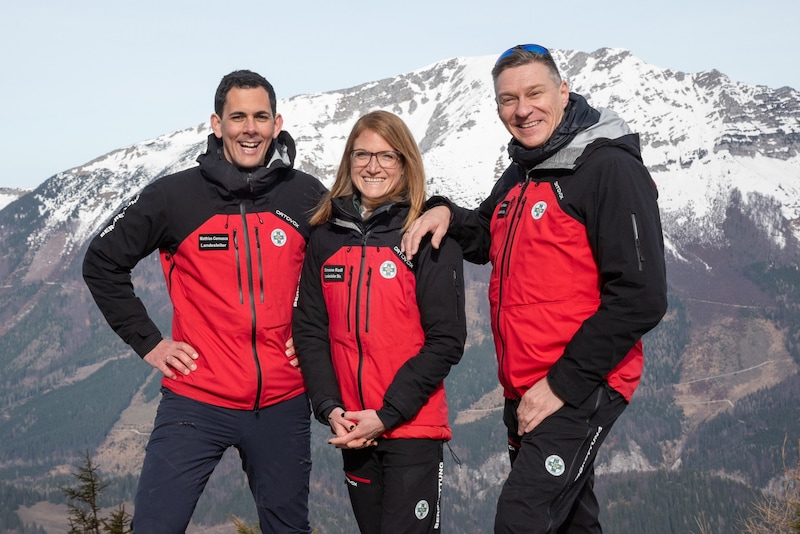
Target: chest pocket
(542, 252)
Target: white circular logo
(538, 209)
(421, 509)
(388, 269)
(278, 237)
(554, 465)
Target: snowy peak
(8, 195)
(704, 138)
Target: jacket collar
(345, 213)
(234, 182)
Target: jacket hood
(581, 126)
(235, 182)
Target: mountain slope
(725, 158)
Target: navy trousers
(188, 441)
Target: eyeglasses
(387, 159)
(534, 48)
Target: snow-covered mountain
(704, 137)
(7, 196)
(726, 158)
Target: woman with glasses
(377, 334)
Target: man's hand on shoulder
(172, 356)
(434, 221)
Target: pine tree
(118, 523)
(84, 511)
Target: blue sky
(82, 78)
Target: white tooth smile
(529, 124)
(249, 145)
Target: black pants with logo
(550, 489)
(396, 486)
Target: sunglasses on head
(534, 48)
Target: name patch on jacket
(333, 273)
(214, 241)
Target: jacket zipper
(238, 265)
(636, 241)
(517, 217)
(251, 292)
(260, 266)
(504, 261)
(349, 296)
(358, 321)
(369, 292)
(171, 260)
(458, 294)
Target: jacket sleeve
(310, 334)
(624, 231)
(133, 233)
(471, 227)
(440, 297)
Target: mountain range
(706, 431)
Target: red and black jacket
(574, 237)
(375, 331)
(231, 246)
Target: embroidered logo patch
(421, 509)
(278, 237)
(538, 209)
(388, 269)
(554, 465)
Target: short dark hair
(242, 79)
(519, 57)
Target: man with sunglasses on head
(573, 232)
(231, 235)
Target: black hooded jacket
(231, 244)
(572, 229)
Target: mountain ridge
(747, 131)
(725, 158)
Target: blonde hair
(410, 187)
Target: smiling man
(231, 234)
(574, 236)
(247, 124)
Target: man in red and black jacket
(231, 234)
(573, 232)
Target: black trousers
(550, 489)
(396, 486)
